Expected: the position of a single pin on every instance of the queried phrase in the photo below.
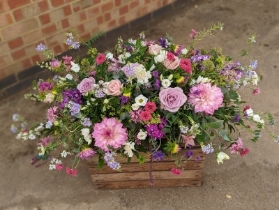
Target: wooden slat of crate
(136, 167)
(146, 184)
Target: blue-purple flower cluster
(109, 158)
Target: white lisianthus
(257, 119)
(141, 74)
(184, 51)
(249, 112)
(222, 156)
(255, 78)
(166, 83)
(75, 67)
(200, 80)
(161, 57)
(86, 135)
(69, 76)
(135, 107)
(142, 135)
(109, 55)
(141, 100)
(129, 147)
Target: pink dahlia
(205, 98)
(109, 133)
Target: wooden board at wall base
(134, 175)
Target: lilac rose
(172, 99)
(86, 85)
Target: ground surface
(247, 183)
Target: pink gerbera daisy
(100, 59)
(109, 132)
(205, 98)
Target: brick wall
(26, 23)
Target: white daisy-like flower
(166, 83)
(75, 67)
(141, 100)
(109, 55)
(86, 134)
(69, 76)
(135, 107)
(129, 147)
(142, 135)
(184, 51)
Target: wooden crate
(135, 175)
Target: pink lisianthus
(205, 98)
(176, 171)
(71, 171)
(109, 132)
(150, 106)
(86, 153)
(100, 58)
(114, 88)
(86, 85)
(186, 65)
(172, 99)
(52, 113)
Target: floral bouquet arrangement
(153, 97)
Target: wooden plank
(114, 177)
(136, 167)
(197, 152)
(146, 184)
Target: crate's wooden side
(135, 175)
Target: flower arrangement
(153, 97)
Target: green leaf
(223, 134)
(217, 124)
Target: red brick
(112, 24)
(50, 29)
(45, 19)
(5, 19)
(82, 16)
(18, 14)
(123, 10)
(17, 3)
(93, 12)
(35, 59)
(57, 49)
(147, 1)
(80, 5)
(80, 29)
(26, 63)
(4, 6)
(107, 17)
(57, 3)
(67, 10)
(18, 54)
(134, 4)
(14, 30)
(65, 23)
(15, 43)
(117, 3)
(122, 20)
(76, 9)
(106, 7)
(43, 5)
(99, 20)
(96, 1)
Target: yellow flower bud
(180, 80)
(56, 123)
(127, 94)
(54, 92)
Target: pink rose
(154, 49)
(172, 99)
(114, 88)
(172, 64)
(86, 85)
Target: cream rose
(114, 88)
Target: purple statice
(86, 153)
(163, 42)
(99, 93)
(49, 124)
(124, 99)
(155, 74)
(236, 119)
(232, 71)
(109, 158)
(154, 132)
(74, 108)
(158, 155)
(71, 95)
(157, 84)
(207, 149)
(253, 64)
(86, 122)
(189, 153)
(44, 86)
(128, 69)
(198, 57)
(41, 47)
(135, 115)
